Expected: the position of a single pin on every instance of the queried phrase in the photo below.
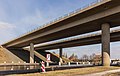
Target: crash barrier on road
(8, 72)
(18, 66)
(21, 68)
(63, 67)
(69, 63)
(78, 63)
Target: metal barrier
(23, 68)
(18, 66)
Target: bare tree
(91, 57)
(85, 57)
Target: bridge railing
(18, 66)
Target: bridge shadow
(23, 55)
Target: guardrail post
(4, 66)
(77, 63)
(19, 65)
(83, 62)
(25, 66)
(35, 65)
(12, 65)
(89, 63)
(68, 63)
(59, 63)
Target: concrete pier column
(31, 53)
(60, 54)
(105, 44)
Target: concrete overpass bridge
(102, 15)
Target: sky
(20, 16)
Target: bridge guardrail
(18, 66)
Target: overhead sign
(48, 57)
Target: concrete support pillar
(60, 54)
(31, 53)
(105, 44)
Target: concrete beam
(105, 44)
(31, 53)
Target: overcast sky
(20, 16)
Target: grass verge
(71, 72)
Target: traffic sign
(48, 57)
